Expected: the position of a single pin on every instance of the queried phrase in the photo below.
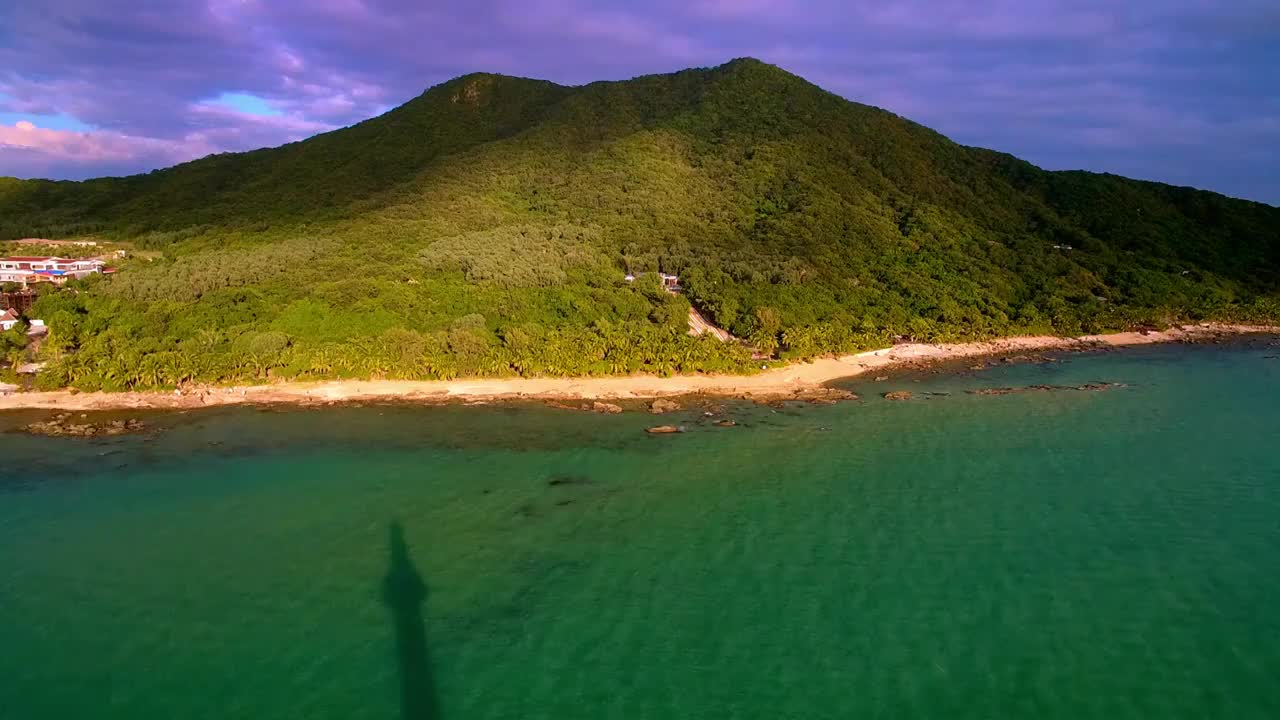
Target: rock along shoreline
(789, 382)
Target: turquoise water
(1050, 555)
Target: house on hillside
(8, 319)
(17, 276)
(671, 283)
(28, 269)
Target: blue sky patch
(246, 103)
(60, 121)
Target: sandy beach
(769, 384)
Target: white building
(670, 282)
(28, 269)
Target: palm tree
(322, 363)
(151, 374)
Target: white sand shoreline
(769, 384)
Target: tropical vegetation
(485, 228)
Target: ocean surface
(1058, 554)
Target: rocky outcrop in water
(664, 430)
(62, 425)
(813, 396)
(660, 406)
(1087, 387)
(998, 391)
(898, 395)
(823, 396)
(1019, 359)
(598, 407)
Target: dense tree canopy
(486, 226)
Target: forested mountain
(485, 228)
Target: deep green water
(1049, 555)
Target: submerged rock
(823, 395)
(1087, 387)
(726, 423)
(664, 430)
(660, 406)
(1036, 358)
(898, 395)
(60, 426)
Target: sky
(1181, 91)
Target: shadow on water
(405, 594)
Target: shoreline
(770, 384)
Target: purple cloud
(1173, 90)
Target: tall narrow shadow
(405, 594)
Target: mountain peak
(746, 61)
(753, 65)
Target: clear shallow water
(1050, 555)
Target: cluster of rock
(660, 406)
(813, 396)
(1037, 359)
(62, 425)
(900, 395)
(663, 406)
(596, 407)
(1087, 387)
(823, 396)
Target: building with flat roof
(28, 269)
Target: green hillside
(485, 228)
